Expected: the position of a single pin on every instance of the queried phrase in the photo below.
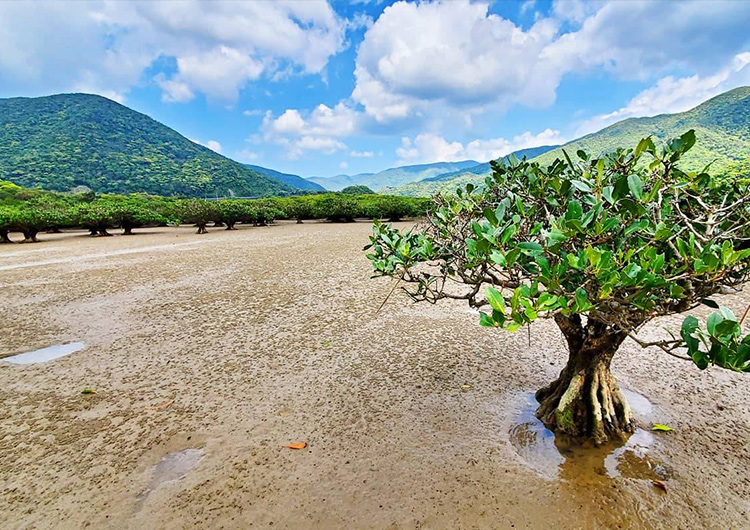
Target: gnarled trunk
(230, 225)
(202, 228)
(29, 236)
(93, 232)
(103, 232)
(585, 401)
(4, 238)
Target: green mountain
(481, 169)
(453, 179)
(722, 128)
(287, 178)
(68, 140)
(392, 177)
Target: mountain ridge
(63, 141)
(287, 178)
(721, 124)
(391, 177)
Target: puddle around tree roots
(45, 354)
(557, 457)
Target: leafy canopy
(621, 239)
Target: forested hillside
(287, 178)
(68, 140)
(392, 177)
(721, 124)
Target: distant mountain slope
(339, 182)
(722, 128)
(287, 178)
(392, 177)
(481, 169)
(68, 140)
(430, 186)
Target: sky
(324, 88)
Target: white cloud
(213, 145)
(428, 148)
(452, 52)
(246, 155)
(420, 60)
(174, 91)
(670, 95)
(326, 145)
(218, 47)
(343, 166)
(320, 130)
(362, 154)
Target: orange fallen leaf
(160, 406)
(297, 445)
(659, 484)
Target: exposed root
(586, 404)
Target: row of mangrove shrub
(31, 211)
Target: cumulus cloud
(217, 47)
(362, 154)
(319, 130)
(246, 155)
(671, 95)
(213, 145)
(426, 148)
(419, 59)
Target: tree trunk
(585, 401)
(103, 232)
(93, 232)
(202, 229)
(29, 236)
(127, 229)
(230, 225)
(299, 220)
(4, 238)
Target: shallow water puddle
(558, 458)
(172, 467)
(45, 354)
(175, 466)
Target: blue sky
(322, 88)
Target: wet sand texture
(227, 347)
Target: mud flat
(226, 347)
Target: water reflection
(172, 467)
(557, 456)
(45, 354)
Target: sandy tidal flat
(208, 354)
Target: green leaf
(660, 427)
(486, 320)
(635, 185)
(710, 303)
(581, 186)
(582, 300)
(496, 300)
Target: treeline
(31, 211)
